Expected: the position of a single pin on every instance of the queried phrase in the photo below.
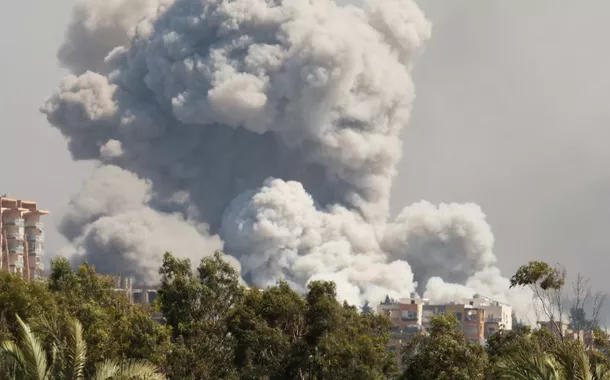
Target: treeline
(75, 326)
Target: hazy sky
(510, 113)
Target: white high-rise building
(495, 312)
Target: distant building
(143, 295)
(563, 330)
(22, 239)
(479, 317)
(406, 316)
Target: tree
(547, 284)
(366, 308)
(114, 327)
(443, 354)
(19, 297)
(220, 330)
(196, 308)
(269, 327)
(343, 343)
(65, 357)
(585, 299)
(509, 343)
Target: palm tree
(64, 357)
(568, 362)
(524, 366)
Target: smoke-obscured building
(564, 331)
(22, 240)
(144, 295)
(479, 317)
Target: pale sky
(510, 113)
(35, 162)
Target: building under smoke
(479, 318)
(269, 128)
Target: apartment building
(406, 316)
(497, 315)
(22, 239)
(472, 320)
(479, 317)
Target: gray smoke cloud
(270, 125)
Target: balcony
(37, 225)
(35, 238)
(14, 222)
(15, 249)
(14, 235)
(34, 251)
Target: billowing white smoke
(273, 124)
(278, 232)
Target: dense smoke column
(273, 125)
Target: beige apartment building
(22, 238)
(479, 318)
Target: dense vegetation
(75, 326)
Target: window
(491, 330)
(458, 315)
(409, 315)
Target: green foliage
(443, 354)
(79, 327)
(569, 360)
(268, 327)
(18, 297)
(63, 357)
(114, 326)
(538, 273)
(510, 343)
(222, 331)
(601, 339)
(196, 308)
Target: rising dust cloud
(268, 128)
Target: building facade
(140, 295)
(22, 239)
(406, 316)
(479, 318)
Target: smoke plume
(269, 127)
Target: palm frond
(33, 354)
(525, 366)
(105, 370)
(75, 355)
(128, 370)
(11, 361)
(138, 370)
(573, 362)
